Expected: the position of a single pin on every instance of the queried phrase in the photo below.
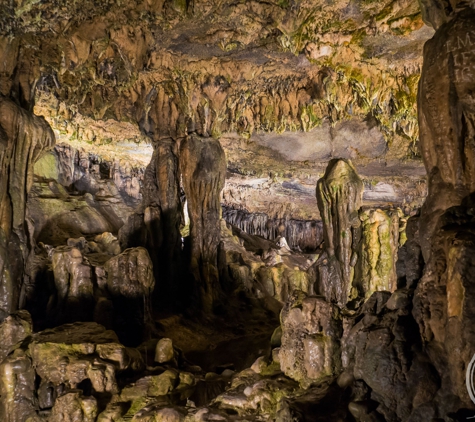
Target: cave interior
(231, 210)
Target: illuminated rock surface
(222, 214)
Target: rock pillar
(339, 195)
(23, 138)
(203, 167)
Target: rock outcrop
(74, 284)
(446, 117)
(443, 303)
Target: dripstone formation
(137, 284)
(339, 198)
(203, 170)
(24, 137)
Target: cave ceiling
(285, 86)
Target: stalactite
(302, 235)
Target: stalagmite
(339, 195)
(379, 251)
(203, 166)
(311, 328)
(156, 225)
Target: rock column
(379, 251)
(23, 138)
(446, 107)
(203, 167)
(444, 302)
(339, 195)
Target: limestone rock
(17, 388)
(310, 349)
(150, 393)
(446, 137)
(13, 330)
(444, 297)
(373, 350)
(73, 407)
(79, 193)
(130, 274)
(107, 243)
(413, 261)
(164, 351)
(379, 250)
(23, 138)
(71, 354)
(203, 166)
(160, 414)
(130, 283)
(74, 285)
(339, 195)
(79, 243)
(443, 302)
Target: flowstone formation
(23, 138)
(382, 234)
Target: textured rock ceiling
(256, 74)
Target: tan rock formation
(339, 195)
(17, 388)
(310, 350)
(379, 251)
(130, 274)
(203, 166)
(446, 117)
(74, 283)
(23, 138)
(443, 304)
